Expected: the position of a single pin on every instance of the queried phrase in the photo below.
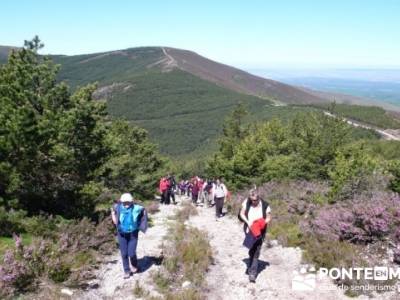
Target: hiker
(171, 188)
(163, 187)
(219, 192)
(207, 192)
(182, 187)
(200, 183)
(129, 218)
(255, 213)
(195, 191)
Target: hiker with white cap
(129, 218)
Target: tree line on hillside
(61, 158)
(310, 147)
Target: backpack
(220, 188)
(209, 186)
(264, 205)
(172, 182)
(129, 217)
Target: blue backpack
(128, 217)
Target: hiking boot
(127, 275)
(252, 278)
(134, 270)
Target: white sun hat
(127, 197)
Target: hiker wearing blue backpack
(129, 218)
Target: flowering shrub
(365, 219)
(22, 266)
(69, 256)
(297, 196)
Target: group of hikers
(129, 217)
(203, 192)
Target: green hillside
(182, 112)
(109, 67)
(181, 99)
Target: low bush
(394, 169)
(11, 221)
(187, 210)
(44, 226)
(138, 290)
(22, 266)
(355, 171)
(187, 256)
(331, 254)
(186, 294)
(287, 233)
(365, 219)
(69, 256)
(59, 272)
(152, 207)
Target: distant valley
(380, 85)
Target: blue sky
(249, 34)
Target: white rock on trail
(67, 292)
(186, 284)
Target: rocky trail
(226, 278)
(110, 283)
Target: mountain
(180, 97)
(237, 80)
(4, 51)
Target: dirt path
(387, 134)
(110, 282)
(171, 62)
(226, 278)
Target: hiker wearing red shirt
(256, 215)
(164, 186)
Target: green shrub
(186, 294)
(83, 258)
(59, 272)
(41, 225)
(11, 221)
(187, 209)
(162, 281)
(303, 149)
(287, 233)
(138, 290)
(352, 172)
(394, 169)
(331, 254)
(187, 256)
